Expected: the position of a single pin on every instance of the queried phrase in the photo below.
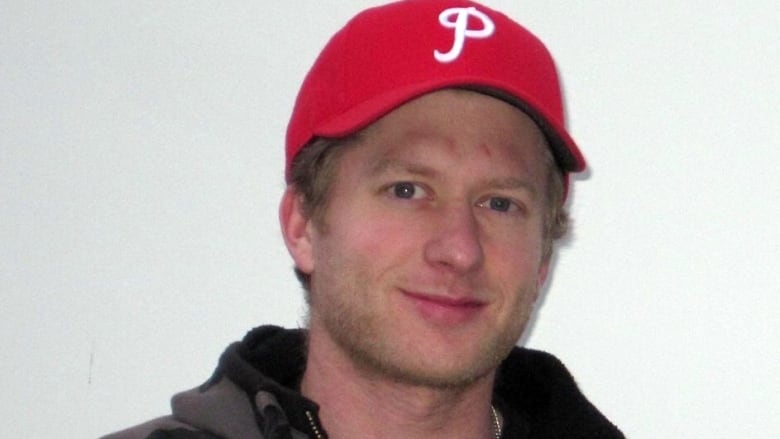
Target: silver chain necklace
(496, 422)
(493, 414)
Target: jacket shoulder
(165, 427)
(540, 386)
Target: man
(427, 166)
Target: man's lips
(444, 309)
(446, 301)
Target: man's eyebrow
(403, 166)
(391, 164)
(511, 183)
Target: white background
(141, 164)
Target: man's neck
(356, 402)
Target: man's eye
(501, 204)
(407, 190)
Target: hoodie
(254, 394)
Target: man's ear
(296, 230)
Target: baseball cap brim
(565, 150)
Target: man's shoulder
(540, 387)
(165, 427)
(530, 366)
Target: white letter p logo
(461, 26)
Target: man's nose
(455, 242)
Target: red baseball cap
(388, 55)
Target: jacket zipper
(313, 425)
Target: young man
(427, 166)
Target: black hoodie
(253, 394)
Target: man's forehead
(490, 136)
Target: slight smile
(443, 310)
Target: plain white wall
(141, 164)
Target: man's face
(428, 260)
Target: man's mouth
(445, 310)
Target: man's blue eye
(500, 204)
(404, 190)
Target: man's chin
(448, 371)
